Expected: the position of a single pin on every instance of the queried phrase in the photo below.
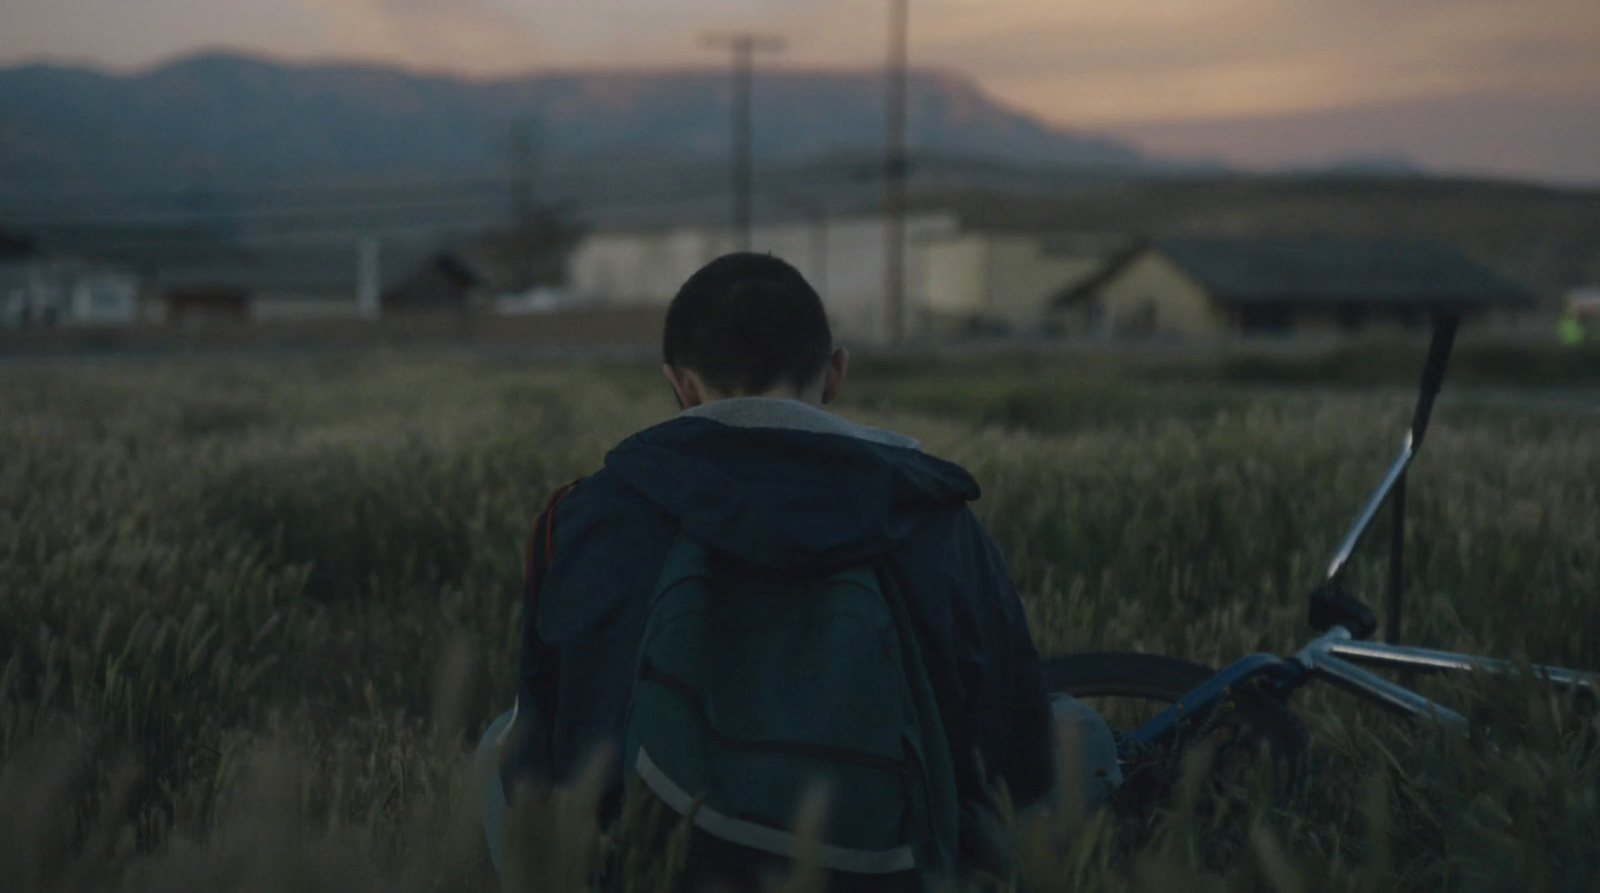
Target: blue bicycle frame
(1346, 623)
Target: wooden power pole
(744, 45)
(894, 182)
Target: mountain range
(230, 151)
(222, 118)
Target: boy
(755, 468)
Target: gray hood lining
(794, 415)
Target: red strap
(541, 545)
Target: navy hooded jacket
(779, 498)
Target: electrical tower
(744, 45)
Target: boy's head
(749, 324)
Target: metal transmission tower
(744, 45)
(894, 182)
(527, 147)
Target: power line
(486, 191)
(689, 182)
(245, 191)
(581, 171)
(157, 218)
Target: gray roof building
(1209, 286)
(1327, 271)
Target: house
(844, 258)
(642, 266)
(1580, 316)
(152, 273)
(41, 284)
(1583, 302)
(1217, 286)
(506, 268)
(271, 278)
(443, 281)
(985, 279)
(197, 275)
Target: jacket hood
(781, 497)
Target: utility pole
(526, 150)
(816, 215)
(894, 181)
(744, 45)
(369, 301)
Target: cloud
(124, 35)
(469, 36)
(1087, 61)
(1082, 62)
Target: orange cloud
(1085, 62)
(1092, 62)
(467, 36)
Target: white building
(44, 288)
(843, 258)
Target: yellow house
(978, 279)
(1210, 287)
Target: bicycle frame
(1345, 623)
(1336, 656)
(1336, 653)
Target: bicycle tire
(1162, 679)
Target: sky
(1507, 87)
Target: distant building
(43, 285)
(642, 266)
(205, 305)
(1207, 287)
(196, 275)
(843, 258)
(288, 280)
(510, 270)
(1001, 279)
(1583, 302)
(1580, 316)
(444, 281)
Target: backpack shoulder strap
(541, 547)
(539, 661)
(687, 558)
(938, 764)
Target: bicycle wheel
(1129, 688)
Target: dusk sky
(1491, 86)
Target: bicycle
(1256, 688)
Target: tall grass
(255, 613)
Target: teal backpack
(755, 689)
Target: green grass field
(256, 612)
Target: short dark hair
(746, 322)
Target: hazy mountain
(1550, 139)
(228, 119)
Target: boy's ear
(833, 377)
(685, 384)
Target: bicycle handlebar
(1444, 339)
(1328, 604)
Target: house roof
(190, 257)
(318, 268)
(1109, 269)
(15, 246)
(1248, 271)
(1320, 271)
